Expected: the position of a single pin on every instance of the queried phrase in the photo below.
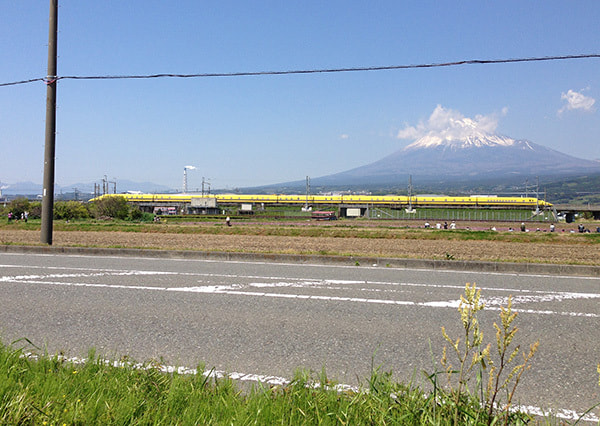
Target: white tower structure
(185, 169)
(1, 188)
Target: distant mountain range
(30, 188)
(475, 158)
(435, 162)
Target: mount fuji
(448, 156)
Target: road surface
(272, 318)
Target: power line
(15, 83)
(310, 71)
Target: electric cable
(52, 79)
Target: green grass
(50, 390)
(337, 229)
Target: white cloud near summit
(576, 101)
(450, 124)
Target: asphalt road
(273, 318)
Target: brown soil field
(395, 242)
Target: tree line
(108, 208)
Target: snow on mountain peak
(471, 138)
(451, 129)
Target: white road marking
(268, 282)
(285, 281)
(247, 262)
(282, 381)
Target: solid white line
(242, 262)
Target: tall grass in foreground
(49, 390)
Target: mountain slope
(475, 156)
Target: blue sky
(258, 130)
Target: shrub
(35, 210)
(136, 214)
(115, 207)
(69, 210)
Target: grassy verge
(51, 390)
(340, 229)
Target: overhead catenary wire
(307, 71)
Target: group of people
(581, 228)
(12, 216)
(440, 226)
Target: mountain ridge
(31, 188)
(438, 159)
(469, 157)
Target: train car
(376, 200)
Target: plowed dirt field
(537, 247)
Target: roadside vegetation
(476, 385)
(110, 208)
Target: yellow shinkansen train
(389, 200)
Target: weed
(469, 353)
(474, 359)
(498, 382)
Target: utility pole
(207, 184)
(114, 185)
(537, 195)
(49, 151)
(410, 188)
(306, 206)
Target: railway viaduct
(570, 210)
